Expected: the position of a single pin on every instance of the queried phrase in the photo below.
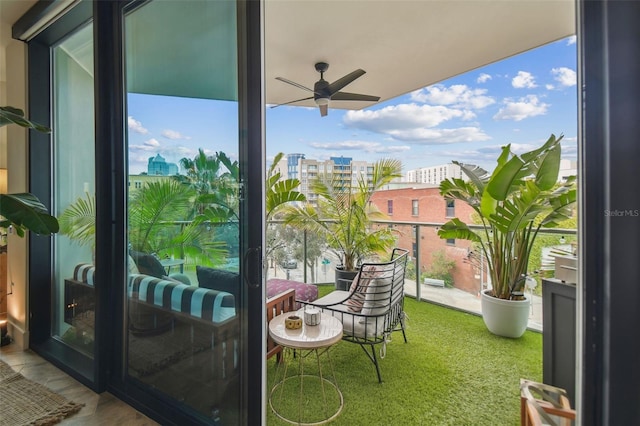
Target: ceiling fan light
(322, 101)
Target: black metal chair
(373, 307)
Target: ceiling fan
(323, 91)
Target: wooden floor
(99, 409)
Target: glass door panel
(184, 292)
(73, 298)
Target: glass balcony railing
(446, 272)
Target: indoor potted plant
(343, 216)
(521, 196)
(24, 211)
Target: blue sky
(520, 100)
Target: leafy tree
(441, 267)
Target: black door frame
(106, 370)
(609, 221)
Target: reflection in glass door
(184, 288)
(73, 298)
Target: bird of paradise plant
(519, 198)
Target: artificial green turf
(452, 371)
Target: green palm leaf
(78, 221)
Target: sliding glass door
(185, 294)
(153, 289)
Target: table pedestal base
(305, 399)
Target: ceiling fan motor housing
(321, 91)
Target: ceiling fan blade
(323, 110)
(290, 102)
(293, 83)
(344, 96)
(341, 82)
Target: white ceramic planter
(507, 318)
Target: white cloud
(486, 156)
(363, 146)
(424, 136)
(549, 86)
(457, 96)
(565, 76)
(571, 40)
(524, 80)
(147, 146)
(483, 78)
(403, 116)
(172, 134)
(136, 126)
(529, 106)
(416, 124)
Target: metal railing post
(304, 256)
(418, 286)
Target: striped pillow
(84, 272)
(212, 305)
(359, 288)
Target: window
(389, 206)
(451, 208)
(414, 208)
(451, 241)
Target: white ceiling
(402, 45)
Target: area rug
(24, 402)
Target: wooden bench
(373, 307)
(276, 305)
(433, 282)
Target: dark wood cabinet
(559, 335)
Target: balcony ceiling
(402, 45)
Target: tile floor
(100, 409)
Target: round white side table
(302, 343)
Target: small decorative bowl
(293, 322)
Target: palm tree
(159, 222)
(344, 214)
(280, 191)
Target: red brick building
(426, 205)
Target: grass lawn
(452, 371)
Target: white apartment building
(435, 174)
(343, 170)
(567, 168)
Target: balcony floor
(458, 299)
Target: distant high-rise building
(293, 161)
(436, 174)
(342, 171)
(158, 166)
